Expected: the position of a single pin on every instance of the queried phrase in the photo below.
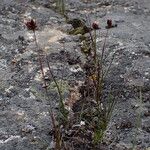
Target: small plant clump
(61, 7)
(84, 122)
(31, 25)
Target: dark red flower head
(109, 23)
(95, 25)
(31, 25)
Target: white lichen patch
(3, 48)
(25, 55)
(115, 63)
(30, 36)
(120, 43)
(28, 128)
(32, 96)
(82, 123)
(146, 73)
(75, 69)
(10, 139)
(30, 67)
(27, 15)
(18, 114)
(127, 9)
(133, 53)
(8, 90)
(3, 64)
(38, 76)
(137, 25)
(136, 82)
(43, 114)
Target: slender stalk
(60, 4)
(100, 68)
(63, 7)
(95, 48)
(106, 72)
(102, 55)
(56, 129)
(99, 87)
(57, 86)
(103, 48)
(39, 57)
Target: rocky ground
(24, 117)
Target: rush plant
(98, 76)
(31, 25)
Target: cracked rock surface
(24, 113)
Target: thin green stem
(56, 129)
(95, 48)
(57, 86)
(39, 57)
(102, 56)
